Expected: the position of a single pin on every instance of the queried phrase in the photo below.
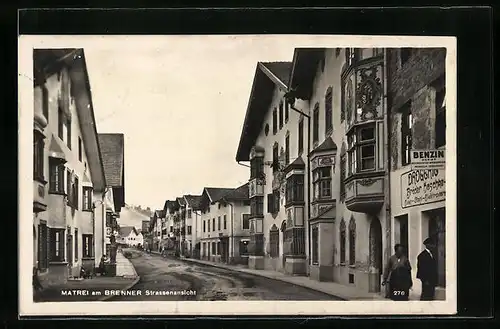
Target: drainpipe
(308, 169)
(231, 254)
(387, 146)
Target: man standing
(427, 270)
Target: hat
(428, 241)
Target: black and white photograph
(256, 174)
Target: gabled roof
(170, 205)
(112, 150)
(193, 201)
(237, 194)
(267, 77)
(181, 201)
(126, 230)
(217, 193)
(303, 72)
(327, 145)
(296, 164)
(160, 213)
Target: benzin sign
(422, 186)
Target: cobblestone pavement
(161, 277)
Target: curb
(265, 276)
(132, 284)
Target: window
(352, 242)
(287, 110)
(256, 167)
(276, 199)
(316, 123)
(225, 222)
(275, 158)
(69, 190)
(367, 148)
(214, 248)
(87, 199)
(208, 225)
(213, 224)
(343, 175)
(405, 55)
(68, 131)
(38, 156)
(281, 116)
(322, 183)
(295, 189)
(246, 222)
(218, 248)
(287, 149)
(61, 120)
(328, 111)
(440, 126)
(315, 245)
(80, 151)
(218, 223)
(76, 245)
(45, 102)
(351, 55)
(406, 135)
(274, 242)
(189, 213)
(56, 245)
(270, 203)
(189, 230)
(275, 121)
(76, 193)
(301, 136)
(257, 206)
(361, 149)
(342, 241)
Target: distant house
(130, 236)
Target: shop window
(406, 133)
(322, 183)
(316, 124)
(274, 242)
(281, 114)
(295, 189)
(301, 137)
(275, 121)
(38, 156)
(328, 111)
(352, 242)
(361, 149)
(342, 241)
(315, 245)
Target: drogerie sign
(420, 187)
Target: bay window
(322, 183)
(295, 189)
(361, 149)
(257, 206)
(256, 167)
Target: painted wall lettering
(422, 186)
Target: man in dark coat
(427, 270)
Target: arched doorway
(376, 252)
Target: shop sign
(422, 186)
(428, 159)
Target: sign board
(428, 159)
(422, 186)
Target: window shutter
(270, 203)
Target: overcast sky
(180, 101)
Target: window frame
(224, 223)
(45, 102)
(275, 121)
(38, 156)
(275, 157)
(316, 124)
(295, 189)
(329, 111)
(218, 223)
(322, 183)
(256, 167)
(287, 149)
(355, 145)
(87, 198)
(257, 206)
(281, 115)
(245, 218)
(300, 133)
(57, 252)
(80, 149)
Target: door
(376, 249)
(437, 232)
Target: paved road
(210, 283)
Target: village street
(210, 283)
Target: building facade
(274, 140)
(192, 219)
(417, 90)
(224, 224)
(68, 171)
